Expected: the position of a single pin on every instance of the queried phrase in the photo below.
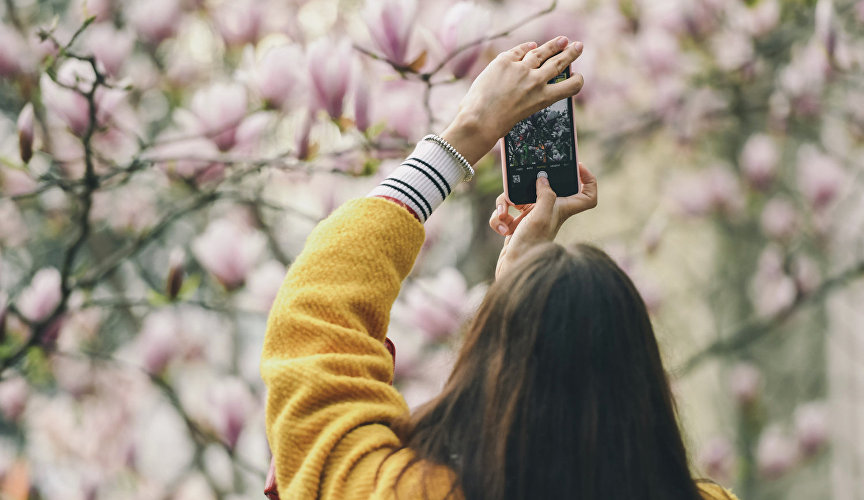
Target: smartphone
(545, 141)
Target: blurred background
(162, 162)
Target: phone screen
(544, 141)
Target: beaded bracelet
(466, 167)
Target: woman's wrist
(469, 137)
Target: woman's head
(559, 390)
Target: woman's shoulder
(713, 491)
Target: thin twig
(757, 329)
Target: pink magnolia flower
(724, 189)
(71, 106)
(762, 17)
(820, 177)
(159, 341)
(779, 219)
(717, 459)
(12, 50)
(362, 118)
(220, 109)
(263, 285)
(14, 182)
(463, 23)
(691, 195)
(759, 159)
(111, 47)
(41, 297)
(13, 230)
(102, 9)
(156, 20)
(253, 128)
(302, 145)
(275, 76)
(25, 132)
(128, 209)
(811, 427)
(745, 383)
(775, 453)
(825, 25)
(187, 158)
(732, 50)
(806, 273)
(390, 23)
(233, 404)
(240, 21)
(659, 51)
(228, 251)
(771, 289)
(13, 397)
(439, 305)
(330, 69)
(174, 281)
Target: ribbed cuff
(423, 180)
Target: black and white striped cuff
(423, 180)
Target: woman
(558, 391)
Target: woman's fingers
(519, 51)
(501, 219)
(556, 64)
(586, 198)
(534, 58)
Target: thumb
(545, 195)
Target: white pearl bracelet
(466, 167)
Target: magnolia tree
(162, 162)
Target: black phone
(545, 141)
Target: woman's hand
(512, 87)
(539, 222)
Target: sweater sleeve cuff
(423, 180)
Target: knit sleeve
(329, 402)
(423, 181)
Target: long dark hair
(558, 391)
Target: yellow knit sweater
(330, 403)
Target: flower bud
(175, 273)
(390, 23)
(361, 105)
(42, 296)
(25, 132)
(811, 427)
(775, 453)
(759, 159)
(745, 383)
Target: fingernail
(502, 229)
(500, 209)
(578, 46)
(543, 178)
(562, 42)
